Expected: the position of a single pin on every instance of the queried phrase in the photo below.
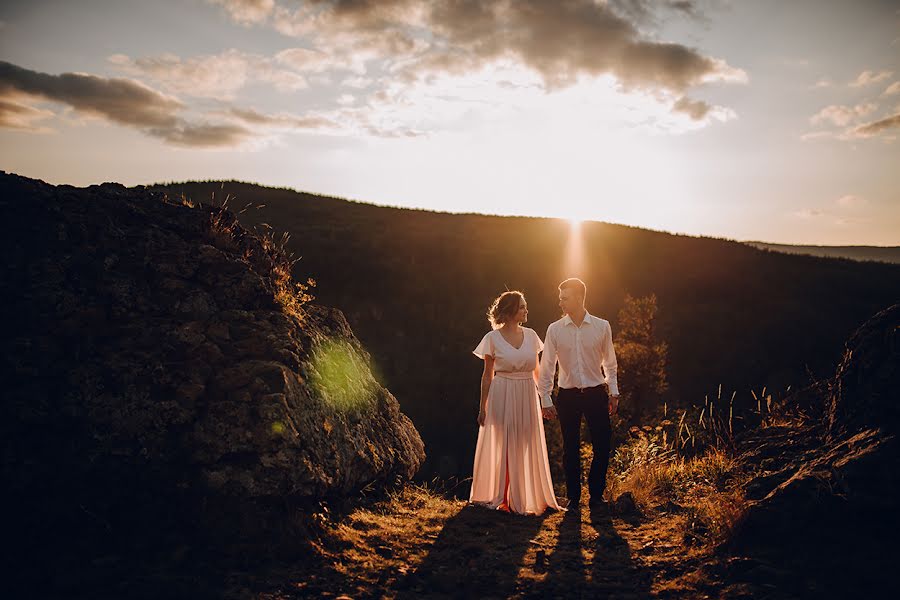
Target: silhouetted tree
(641, 357)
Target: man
(582, 344)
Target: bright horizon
(746, 121)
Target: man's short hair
(573, 283)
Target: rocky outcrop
(823, 515)
(866, 388)
(164, 379)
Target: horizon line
(470, 213)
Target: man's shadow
(613, 565)
(565, 565)
(478, 553)
(612, 571)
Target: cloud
(246, 12)
(204, 135)
(282, 120)
(652, 12)
(210, 76)
(877, 127)
(123, 101)
(841, 115)
(851, 201)
(421, 49)
(822, 83)
(206, 76)
(869, 77)
(817, 135)
(695, 109)
(563, 40)
(357, 82)
(307, 60)
(559, 40)
(16, 115)
(892, 89)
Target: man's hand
(549, 412)
(613, 405)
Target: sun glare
(575, 259)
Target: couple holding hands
(512, 470)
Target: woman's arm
(486, 377)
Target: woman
(511, 470)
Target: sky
(748, 120)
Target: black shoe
(574, 504)
(599, 506)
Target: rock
(156, 391)
(830, 514)
(624, 504)
(864, 390)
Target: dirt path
(421, 545)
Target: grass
(261, 250)
(706, 489)
(687, 464)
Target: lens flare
(342, 376)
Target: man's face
(569, 301)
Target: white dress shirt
(581, 351)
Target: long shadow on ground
(590, 560)
(477, 554)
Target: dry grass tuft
(707, 487)
(262, 252)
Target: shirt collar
(567, 320)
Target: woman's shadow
(477, 554)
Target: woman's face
(522, 314)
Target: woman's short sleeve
(537, 340)
(485, 347)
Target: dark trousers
(593, 403)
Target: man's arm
(608, 360)
(548, 369)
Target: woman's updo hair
(504, 308)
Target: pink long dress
(511, 470)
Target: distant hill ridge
(888, 254)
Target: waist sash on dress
(514, 374)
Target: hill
(887, 254)
(415, 286)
